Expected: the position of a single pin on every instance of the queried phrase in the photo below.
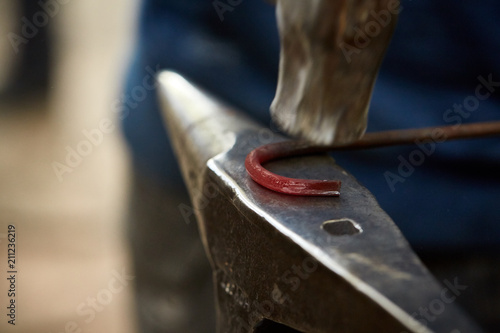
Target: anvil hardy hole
(341, 227)
(269, 326)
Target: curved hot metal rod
(316, 187)
(293, 186)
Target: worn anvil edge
(403, 317)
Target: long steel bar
(322, 187)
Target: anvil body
(311, 264)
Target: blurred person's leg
(236, 59)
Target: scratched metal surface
(366, 280)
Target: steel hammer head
(331, 51)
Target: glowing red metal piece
(272, 181)
(314, 187)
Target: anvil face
(316, 264)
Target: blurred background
(59, 79)
(85, 207)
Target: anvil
(286, 263)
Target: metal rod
(321, 187)
(408, 136)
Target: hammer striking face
(331, 51)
